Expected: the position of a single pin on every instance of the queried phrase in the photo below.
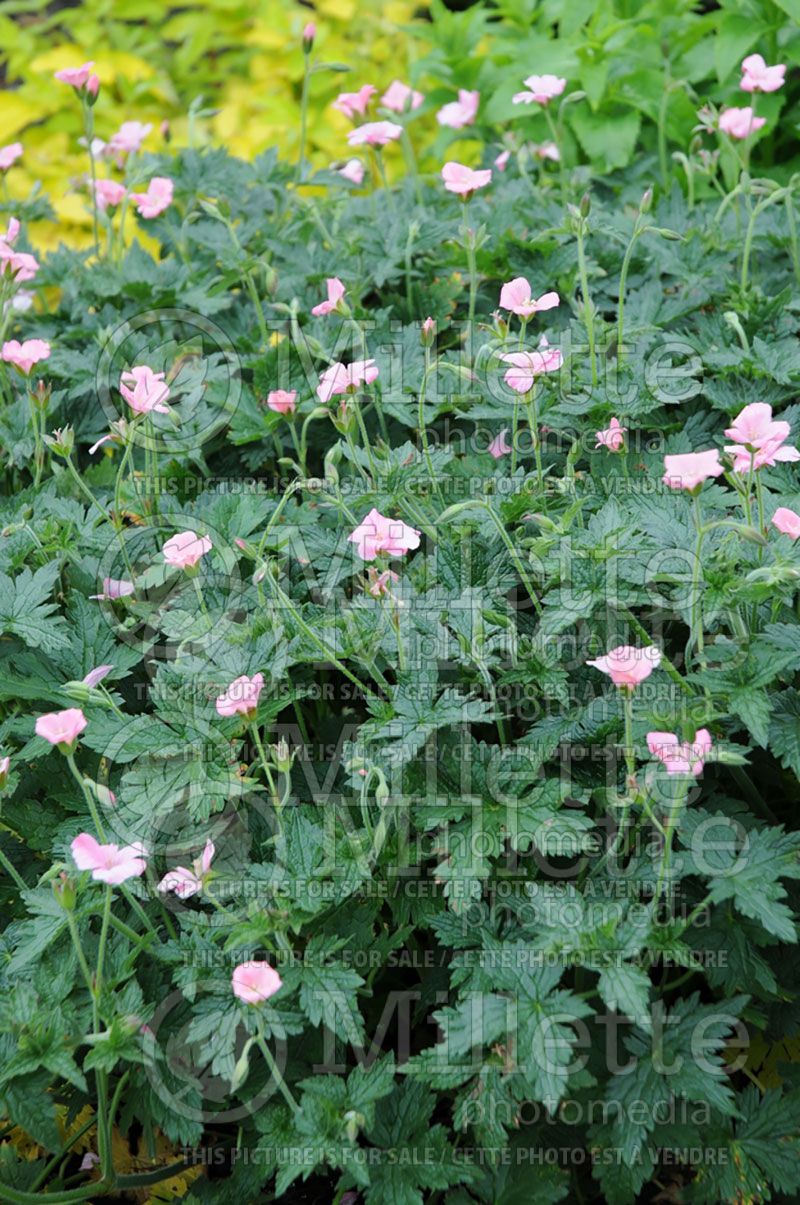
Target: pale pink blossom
(25, 355)
(90, 1160)
(185, 882)
(464, 180)
(374, 133)
(144, 390)
(128, 138)
(501, 162)
(379, 583)
(353, 171)
(355, 104)
(526, 366)
(376, 534)
(111, 864)
(97, 675)
(157, 198)
(690, 469)
(255, 982)
(110, 437)
(13, 230)
(546, 150)
(759, 439)
(9, 155)
(787, 522)
(399, 98)
(19, 264)
(282, 401)
(613, 438)
(78, 77)
(461, 112)
(680, 757)
(241, 697)
(114, 588)
(758, 77)
(93, 84)
(5, 766)
(628, 666)
(499, 446)
(61, 727)
(108, 192)
(341, 378)
(771, 452)
(515, 296)
(541, 89)
(740, 123)
(184, 550)
(336, 292)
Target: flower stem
(588, 312)
(301, 158)
(273, 1066)
(87, 795)
(696, 633)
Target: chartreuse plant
(400, 731)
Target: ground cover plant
(400, 729)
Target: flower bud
(646, 203)
(62, 441)
(309, 33)
(92, 89)
(64, 891)
(428, 332)
(586, 205)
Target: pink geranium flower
(461, 112)
(157, 198)
(540, 89)
(515, 296)
(399, 98)
(526, 366)
(772, 452)
(282, 401)
(501, 162)
(740, 123)
(341, 378)
(613, 437)
(241, 697)
(5, 766)
(128, 138)
(379, 583)
(759, 439)
(78, 77)
(144, 390)
(499, 447)
(353, 171)
(463, 180)
(787, 522)
(680, 757)
(355, 104)
(758, 77)
(19, 264)
(547, 150)
(374, 133)
(255, 982)
(627, 666)
(61, 727)
(184, 550)
(114, 588)
(185, 882)
(336, 292)
(377, 534)
(108, 192)
(24, 355)
(108, 863)
(9, 155)
(690, 469)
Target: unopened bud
(428, 332)
(646, 203)
(586, 205)
(309, 33)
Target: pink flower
(541, 89)
(787, 522)
(501, 162)
(128, 138)
(61, 727)
(547, 150)
(255, 982)
(241, 697)
(78, 77)
(9, 155)
(336, 292)
(680, 757)
(114, 588)
(24, 355)
(759, 440)
(399, 98)
(740, 123)
(157, 198)
(461, 112)
(355, 104)
(5, 766)
(185, 882)
(144, 390)
(627, 666)
(108, 863)
(377, 534)
(772, 451)
(108, 192)
(22, 266)
(340, 378)
(758, 77)
(374, 133)
(528, 365)
(613, 437)
(379, 582)
(185, 549)
(282, 401)
(690, 469)
(516, 297)
(96, 675)
(463, 180)
(353, 171)
(498, 447)
(309, 33)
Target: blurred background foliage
(229, 72)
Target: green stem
(556, 137)
(83, 487)
(423, 429)
(12, 871)
(588, 313)
(696, 633)
(87, 795)
(533, 423)
(88, 125)
(758, 209)
(276, 1075)
(623, 281)
(301, 159)
(265, 764)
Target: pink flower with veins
(254, 982)
(501, 162)
(128, 138)
(758, 77)
(740, 123)
(378, 534)
(144, 390)
(341, 378)
(464, 180)
(613, 438)
(787, 522)
(185, 882)
(399, 98)
(379, 582)
(25, 355)
(184, 550)
(541, 89)
(78, 77)
(680, 757)
(114, 588)
(112, 864)
(516, 297)
(374, 133)
(526, 366)
(9, 155)
(689, 470)
(336, 291)
(499, 447)
(241, 697)
(61, 727)
(461, 112)
(95, 676)
(353, 171)
(355, 104)
(759, 439)
(627, 666)
(282, 401)
(157, 198)
(108, 192)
